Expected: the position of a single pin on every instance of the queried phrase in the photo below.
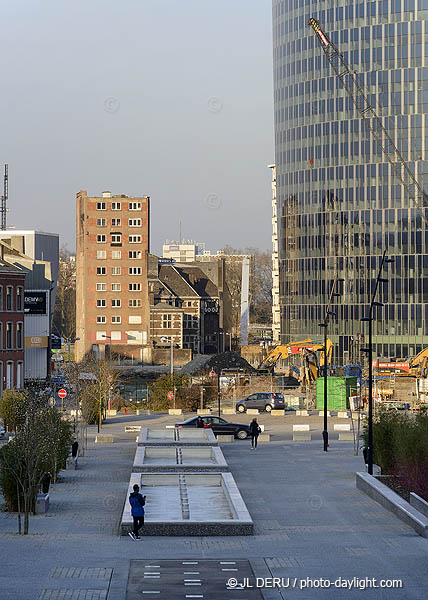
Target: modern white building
(276, 313)
(184, 251)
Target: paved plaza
(311, 523)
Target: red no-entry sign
(212, 373)
(62, 393)
(170, 395)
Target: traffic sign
(170, 395)
(212, 373)
(62, 393)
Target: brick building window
(9, 297)
(101, 303)
(134, 302)
(115, 302)
(116, 335)
(116, 319)
(101, 222)
(134, 287)
(1, 297)
(116, 238)
(134, 205)
(116, 270)
(1, 343)
(101, 319)
(19, 298)
(134, 254)
(116, 287)
(101, 287)
(102, 335)
(167, 321)
(101, 254)
(116, 206)
(19, 335)
(134, 222)
(134, 271)
(9, 330)
(116, 254)
(101, 238)
(101, 271)
(101, 206)
(134, 239)
(116, 222)
(20, 375)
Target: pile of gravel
(229, 360)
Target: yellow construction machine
(307, 349)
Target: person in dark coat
(75, 451)
(255, 432)
(137, 502)
(200, 423)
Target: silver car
(263, 401)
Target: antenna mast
(3, 207)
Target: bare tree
(64, 319)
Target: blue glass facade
(339, 203)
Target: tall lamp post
(324, 325)
(171, 344)
(109, 364)
(369, 350)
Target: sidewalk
(310, 521)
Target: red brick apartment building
(112, 303)
(11, 327)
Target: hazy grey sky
(161, 97)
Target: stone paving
(310, 522)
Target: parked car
(263, 401)
(219, 426)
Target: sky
(166, 98)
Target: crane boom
(356, 93)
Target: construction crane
(3, 206)
(359, 98)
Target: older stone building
(186, 306)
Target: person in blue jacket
(137, 502)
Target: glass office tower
(340, 205)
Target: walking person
(137, 502)
(255, 432)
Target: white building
(185, 251)
(276, 315)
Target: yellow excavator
(418, 365)
(309, 368)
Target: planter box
(393, 502)
(175, 411)
(264, 437)
(228, 411)
(111, 413)
(277, 413)
(42, 504)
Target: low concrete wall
(228, 411)
(162, 356)
(253, 411)
(111, 413)
(277, 413)
(104, 439)
(264, 437)
(223, 438)
(302, 413)
(419, 503)
(203, 411)
(346, 436)
(321, 413)
(302, 436)
(175, 411)
(342, 415)
(302, 427)
(342, 427)
(392, 502)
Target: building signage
(36, 341)
(35, 303)
(166, 261)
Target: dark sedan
(219, 426)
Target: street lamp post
(109, 363)
(369, 351)
(324, 325)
